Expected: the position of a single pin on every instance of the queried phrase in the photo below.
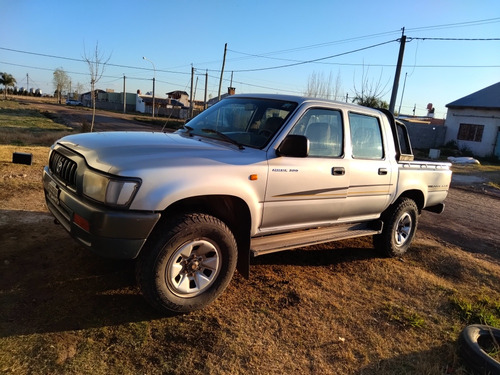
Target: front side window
(366, 137)
(245, 121)
(323, 128)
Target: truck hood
(123, 153)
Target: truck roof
(303, 99)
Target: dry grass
(22, 125)
(332, 309)
(21, 185)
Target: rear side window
(366, 137)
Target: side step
(285, 241)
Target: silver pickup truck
(251, 175)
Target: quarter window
(366, 137)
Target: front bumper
(110, 233)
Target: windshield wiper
(223, 136)
(188, 129)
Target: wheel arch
(416, 195)
(233, 211)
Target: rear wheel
(400, 225)
(188, 265)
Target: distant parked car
(73, 102)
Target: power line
(319, 45)
(453, 25)
(314, 60)
(457, 39)
(81, 60)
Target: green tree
(371, 101)
(7, 80)
(61, 82)
(371, 92)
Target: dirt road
(470, 220)
(74, 116)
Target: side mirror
(295, 146)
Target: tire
(187, 263)
(400, 225)
(472, 353)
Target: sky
(272, 46)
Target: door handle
(382, 171)
(338, 171)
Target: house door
(497, 145)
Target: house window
(470, 132)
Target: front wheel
(400, 225)
(187, 263)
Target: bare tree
(97, 64)
(79, 88)
(61, 81)
(319, 86)
(371, 92)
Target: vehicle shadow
(49, 283)
(327, 254)
(439, 360)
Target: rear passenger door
(371, 174)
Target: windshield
(243, 121)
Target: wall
(489, 118)
(424, 136)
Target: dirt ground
(104, 120)
(66, 310)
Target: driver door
(309, 191)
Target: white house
(474, 121)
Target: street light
(154, 79)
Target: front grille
(63, 168)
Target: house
(230, 91)
(474, 121)
(163, 106)
(86, 98)
(180, 96)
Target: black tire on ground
(470, 341)
(187, 263)
(400, 225)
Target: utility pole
(154, 79)
(222, 70)
(402, 94)
(124, 96)
(195, 88)
(206, 89)
(398, 71)
(191, 99)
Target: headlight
(107, 190)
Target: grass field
(338, 308)
(21, 125)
